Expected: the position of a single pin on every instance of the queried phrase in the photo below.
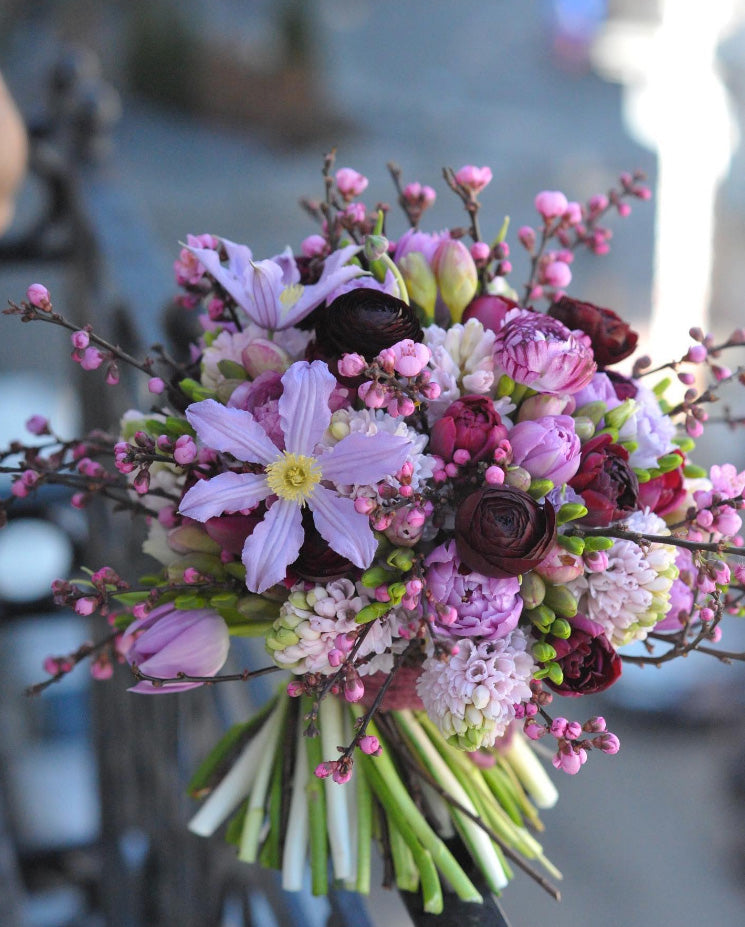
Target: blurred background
(150, 119)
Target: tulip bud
(561, 601)
(456, 275)
(420, 281)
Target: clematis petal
(231, 431)
(231, 277)
(274, 544)
(226, 492)
(304, 411)
(335, 273)
(264, 284)
(363, 459)
(339, 523)
(290, 272)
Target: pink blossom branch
(243, 676)
(715, 547)
(84, 651)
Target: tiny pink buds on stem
(370, 745)
(185, 450)
(37, 425)
(473, 178)
(155, 385)
(38, 295)
(80, 340)
(350, 183)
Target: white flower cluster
(633, 593)
(472, 695)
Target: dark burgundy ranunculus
(587, 659)
(664, 493)
(502, 531)
(365, 321)
(607, 484)
(317, 562)
(489, 310)
(471, 424)
(612, 339)
(231, 531)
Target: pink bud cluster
(572, 747)
(406, 359)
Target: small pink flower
(557, 274)
(351, 365)
(92, 359)
(80, 340)
(410, 357)
(185, 450)
(473, 178)
(480, 251)
(350, 183)
(418, 194)
(551, 203)
(155, 385)
(313, 246)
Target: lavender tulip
(169, 641)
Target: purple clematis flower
(270, 291)
(295, 475)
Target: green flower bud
(518, 477)
(617, 418)
(595, 543)
(532, 590)
(396, 591)
(613, 432)
(685, 443)
(575, 545)
(561, 600)
(543, 652)
(505, 386)
(375, 247)
(375, 576)
(669, 462)
(660, 387)
(539, 488)
(570, 511)
(372, 611)
(231, 370)
(630, 446)
(555, 673)
(561, 629)
(584, 427)
(540, 617)
(693, 472)
(592, 410)
(643, 476)
(189, 601)
(402, 558)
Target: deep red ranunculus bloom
(471, 424)
(612, 339)
(587, 659)
(489, 310)
(502, 531)
(607, 484)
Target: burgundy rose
(607, 484)
(471, 424)
(502, 531)
(612, 338)
(364, 321)
(489, 310)
(586, 658)
(664, 493)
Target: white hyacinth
(472, 694)
(633, 593)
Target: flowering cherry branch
(243, 676)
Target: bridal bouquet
(435, 497)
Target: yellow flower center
(293, 476)
(290, 295)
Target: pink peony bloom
(547, 448)
(486, 608)
(168, 641)
(540, 352)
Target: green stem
(395, 798)
(331, 726)
(296, 830)
(531, 773)
(256, 811)
(319, 858)
(364, 832)
(404, 867)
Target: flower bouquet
(435, 498)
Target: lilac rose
(486, 607)
(548, 448)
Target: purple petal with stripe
(339, 523)
(231, 431)
(226, 492)
(362, 459)
(304, 412)
(274, 544)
